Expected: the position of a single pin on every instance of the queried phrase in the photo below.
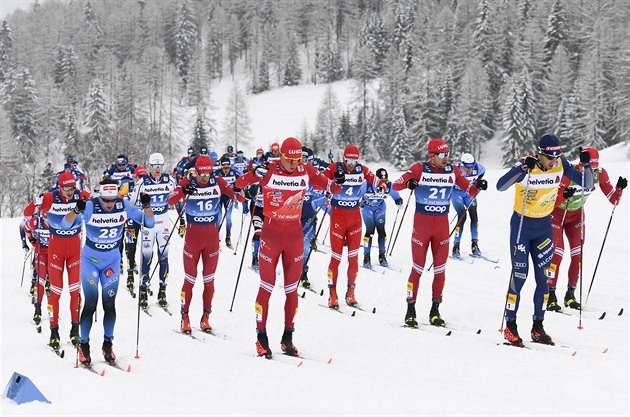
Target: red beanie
(437, 146)
(291, 148)
(203, 164)
(275, 146)
(66, 179)
(140, 171)
(351, 152)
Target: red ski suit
(430, 223)
(202, 235)
(283, 196)
(570, 221)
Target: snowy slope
(376, 367)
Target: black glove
(622, 183)
(530, 162)
(412, 183)
(145, 200)
(260, 171)
(237, 190)
(25, 247)
(585, 157)
(340, 177)
(80, 207)
(189, 189)
(568, 192)
(399, 201)
(482, 184)
(32, 240)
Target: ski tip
(129, 368)
(580, 327)
(574, 353)
(620, 312)
(329, 361)
(62, 354)
(449, 333)
(374, 310)
(602, 316)
(300, 364)
(103, 372)
(321, 293)
(479, 331)
(353, 314)
(303, 294)
(605, 351)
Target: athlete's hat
(382, 174)
(108, 189)
(225, 162)
(230, 148)
(140, 171)
(260, 151)
(291, 148)
(594, 156)
(437, 146)
(468, 160)
(351, 153)
(275, 147)
(203, 165)
(549, 145)
(66, 179)
(191, 150)
(203, 150)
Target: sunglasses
(552, 157)
(67, 188)
(205, 174)
(469, 166)
(351, 161)
(294, 160)
(108, 200)
(157, 166)
(441, 154)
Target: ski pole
(139, 283)
(240, 234)
(518, 240)
(601, 250)
(327, 230)
(393, 228)
(240, 268)
(168, 240)
(229, 204)
(401, 222)
(26, 257)
(314, 238)
(581, 247)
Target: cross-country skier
(37, 232)
(229, 175)
(472, 170)
(104, 219)
(283, 185)
(536, 179)
(432, 183)
(567, 217)
(132, 232)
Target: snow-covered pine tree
(401, 146)
(236, 131)
(344, 132)
(181, 38)
(519, 119)
(200, 136)
(94, 148)
(6, 51)
(327, 122)
(556, 31)
(292, 74)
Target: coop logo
(103, 246)
(203, 219)
(343, 203)
(66, 232)
(435, 209)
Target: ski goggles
(205, 174)
(351, 161)
(67, 188)
(108, 200)
(294, 160)
(157, 166)
(469, 166)
(441, 154)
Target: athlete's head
(290, 154)
(549, 150)
(214, 157)
(438, 152)
(203, 169)
(382, 174)
(350, 157)
(468, 162)
(240, 155)
(156, 162)
(66, 183)
(225, 164)
(594, 156)
(275, 149)
(108, 193)
(259, 153)
(230, 150)
(203, 150)
(139, 171)
(191, 151)
(121, 162)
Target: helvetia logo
(283, 183)
(546, 181)
(440, 180)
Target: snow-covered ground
(361, 365)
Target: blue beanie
(550, 145)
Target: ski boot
(410, 317)
(434, 315)
(350, 300)
(382, 260)
(552, 301)
(255, 266)
(37, 316)
(539, 335)
(84, 353)
(130, 280)
(570, 301)
(185, 324)
(162, 295)
(474, 247)
(456, 253)
(367, 262)
(287, 343)
(511, 334)
(333, 301)
(74, 334)
(228, 241)
(204, 324)
(47, 287)
(262, 344)
(54, 341)
(181, 231)
(33, 290)
(108, 352)
(304, 280)
(144, 299)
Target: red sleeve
(29, 226)
(47, 201)
(321, 181)
(178, 193)
(414, 172)
(330, 171)
(612, 193)
(85, 195)
(29, 210)
(246, 179)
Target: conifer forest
(95, 78)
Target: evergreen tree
(200, 133)
(374, 37)
(556, 31)
(569, 126)
(327, 123)
(292, 68)
(6, 51)
(237, 130)
(519, 119)
(328, 62)
(344, 132)
(400, 144)
(94, 144)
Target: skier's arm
(514, 175)
(613, 194)
(415, 172)
(138, 216)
